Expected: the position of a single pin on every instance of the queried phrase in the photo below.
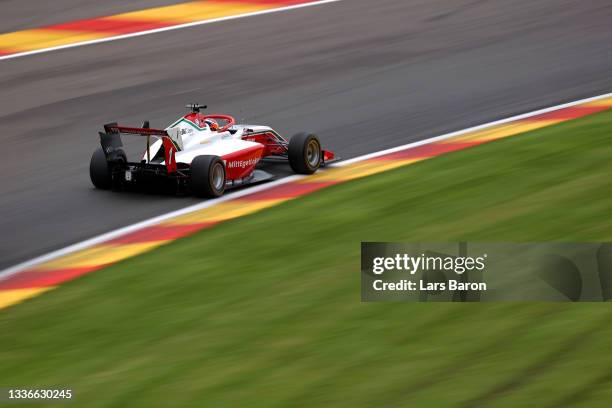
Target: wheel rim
(313, 154)
(218, 176)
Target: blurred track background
(363, 75)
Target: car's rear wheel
(305, 153)
(207, 176)
(100, 169)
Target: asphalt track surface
(363, 75)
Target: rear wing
(144, 131)
(113, 146)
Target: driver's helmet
(212, 124)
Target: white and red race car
(197, 154)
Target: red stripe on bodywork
(289, 190)
(161, 233)
(41, 279)
(104, 25)
(569, 113)
(430, 150)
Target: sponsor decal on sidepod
(242, 163)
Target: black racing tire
(207, 176)
(305, 154)
(100, 169)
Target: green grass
(265, 310)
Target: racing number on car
(170, 151)
(171, 159)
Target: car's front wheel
(207, 176)
(305, 154)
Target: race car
(201, 154)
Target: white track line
(156, 220)
(170, 28)
(475, 128)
